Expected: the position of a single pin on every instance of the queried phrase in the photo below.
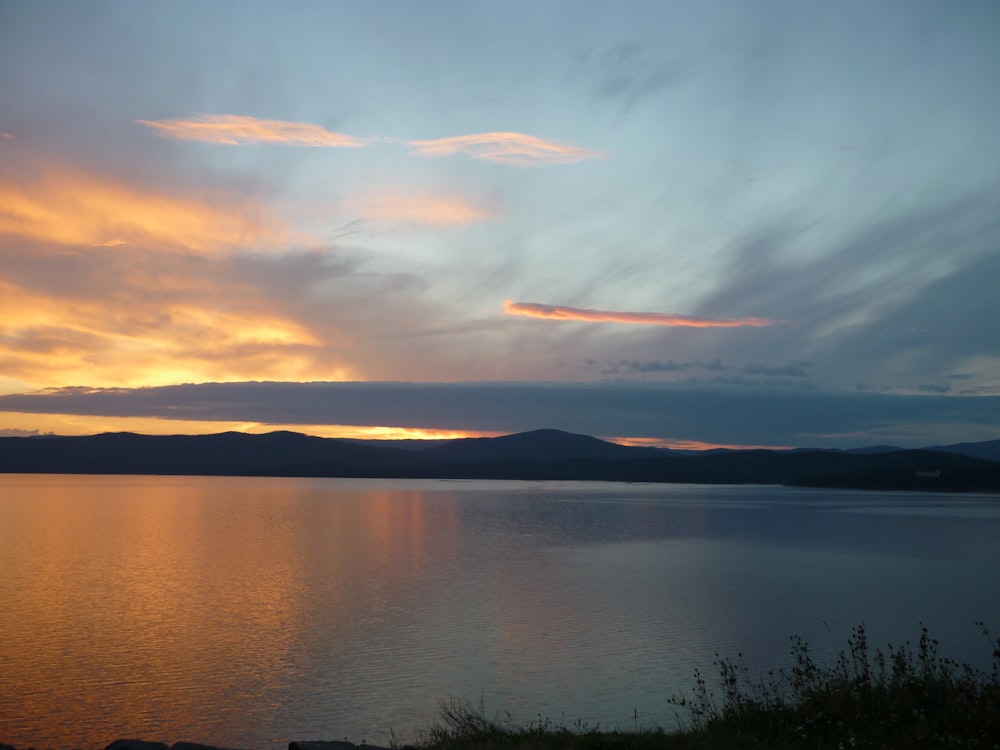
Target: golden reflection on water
(158, 597)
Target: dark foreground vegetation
(903, 697)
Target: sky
(722, 222)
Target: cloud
(643, 366)
(239, 130)
(429, 210)
(517, 149)
(106, 280)
(7, 136)
(789, 370)
(768, 373)
(554, 312)
(76, 208)
(899, 299)
(129, 318)
(626, 72)
(933, 388)
(738, 416)
(15, 432)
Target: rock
(324, 745)
(136, 745)
(194, 746)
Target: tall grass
(898, 697)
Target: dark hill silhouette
(228, 453)
(874, 449)
(541, 454)
(536, 446)
(988, 450)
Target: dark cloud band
(712, 415)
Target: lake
(248, 612)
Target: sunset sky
(682, 222)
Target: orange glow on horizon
(555, 312)
(518, 149)
(690, 445)
(73, 424)
(237, 130)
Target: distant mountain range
(540, 454)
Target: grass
(903, 697)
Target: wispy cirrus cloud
(517, 149)
(556, 312)
(428, 210)
(239, 130)
(627, 73)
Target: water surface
(250, 612)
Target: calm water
(249, 612)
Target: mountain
(988, 450)
(870, 449)
(540, 455)
(537, 446)
(227, 453)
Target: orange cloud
(7, 136)
(691, 445)
(505, 148)
(236, 130)
(415, 209)
(71, 208)
(553, 312)
(143, 337)
(518, 149)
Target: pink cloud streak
(236, 130)
(518, 149)
(555, 312)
